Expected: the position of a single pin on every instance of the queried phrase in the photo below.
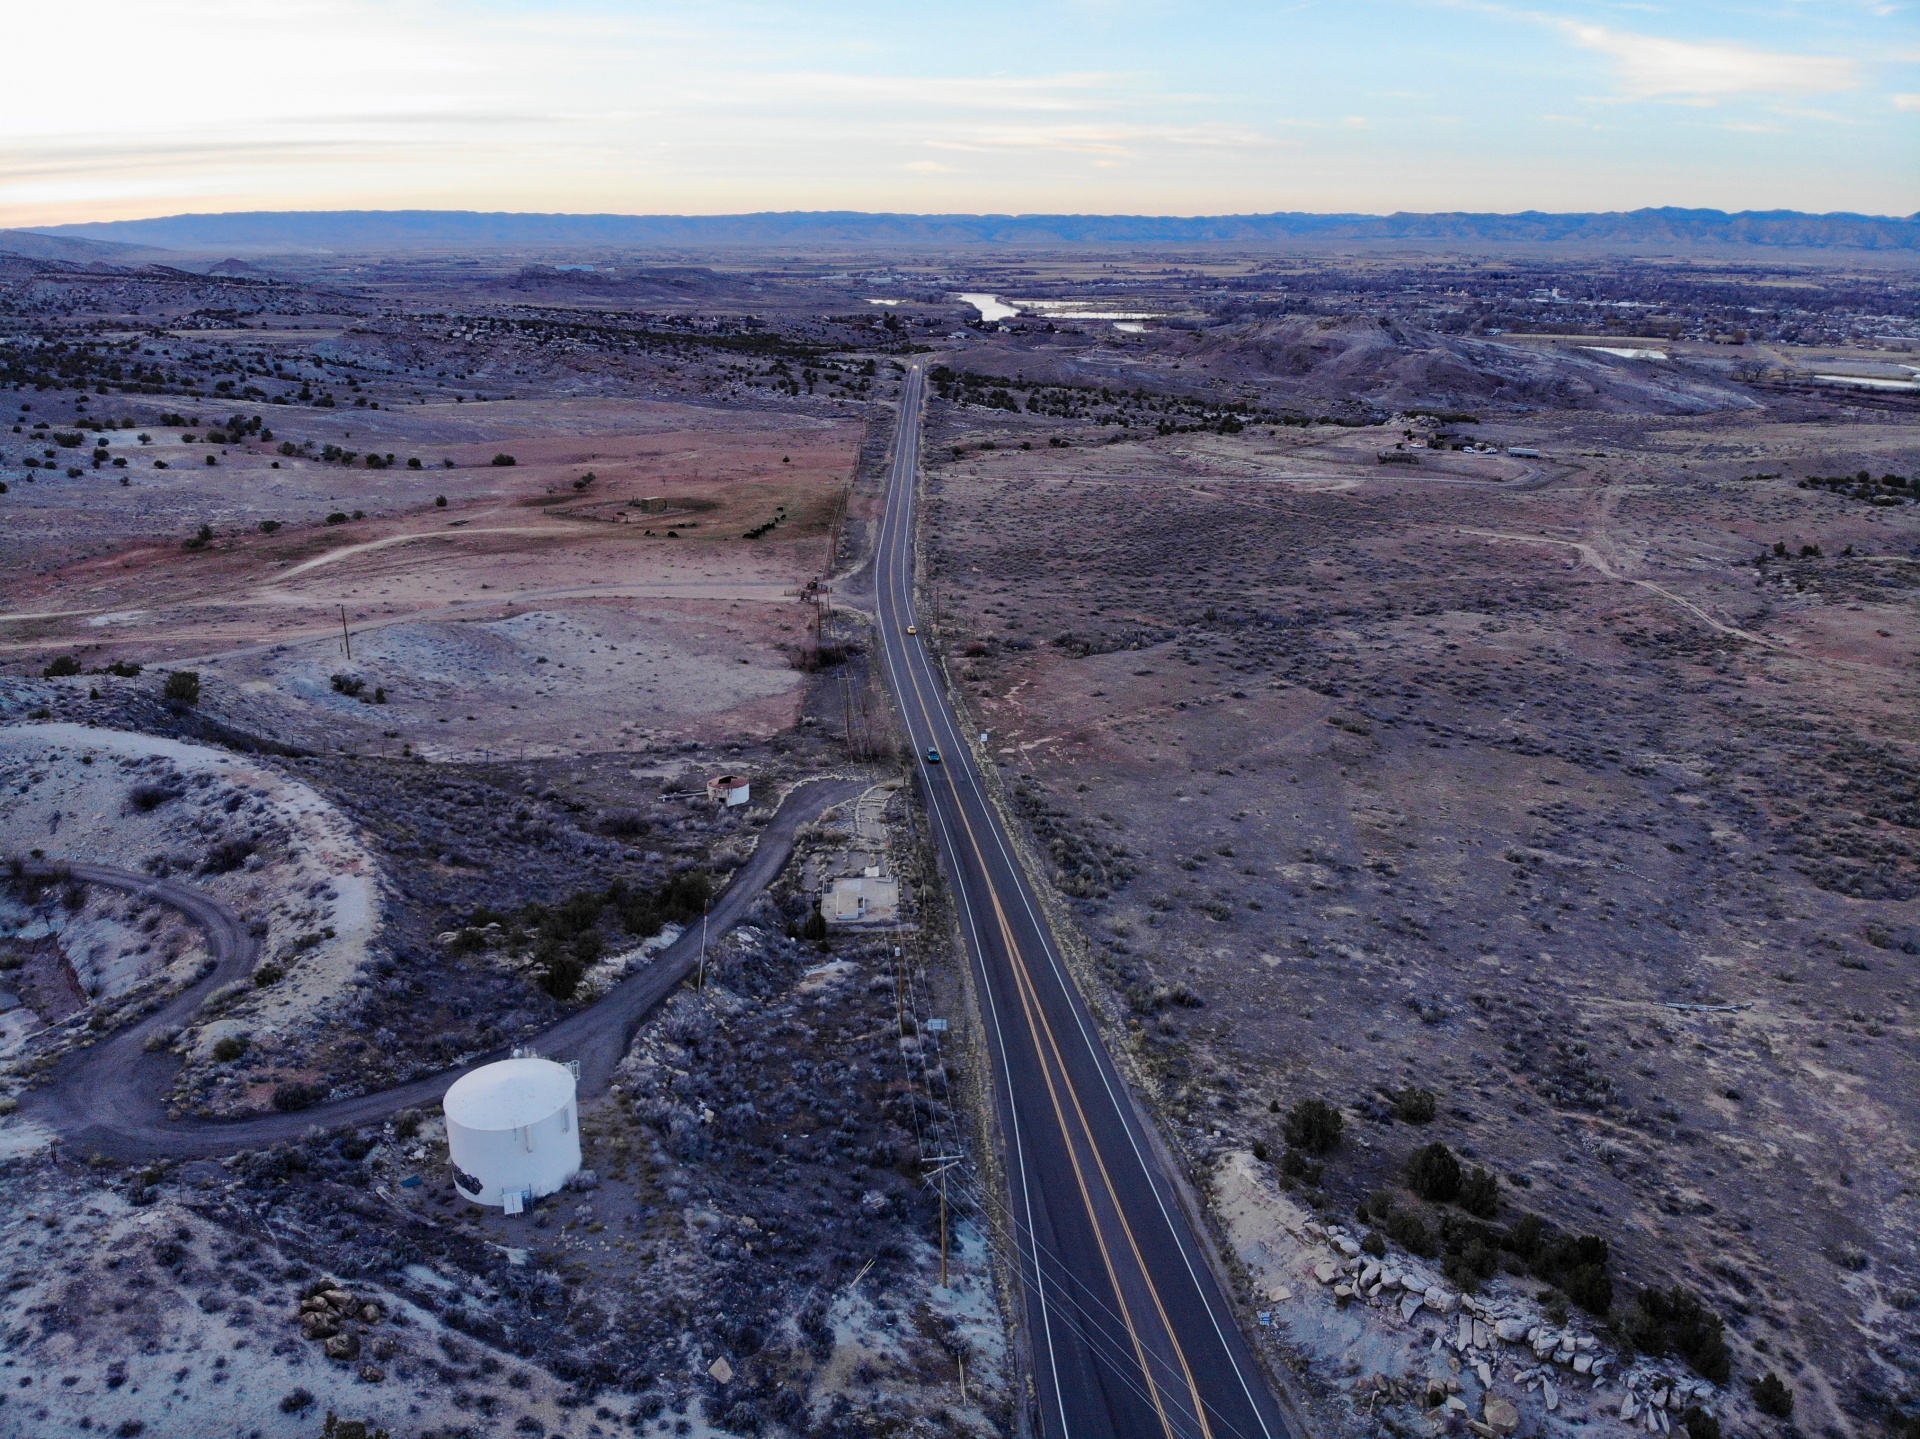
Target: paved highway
(106, 1097)
(1128, 1331)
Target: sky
(119, 109)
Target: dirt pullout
(268, 845)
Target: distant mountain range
(38, 246)
(1662, 230)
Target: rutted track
(105, 1098)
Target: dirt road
(106, 1098)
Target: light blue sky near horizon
(1138, 106)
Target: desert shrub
(296, 1094)
(1771, 1396)
(227, 856)
(295, 1400)
(125, 669)
(338, 1428)
(1295, 1165)
(1699, 1424)
(183, 687)
(349, 685)
(1373, 1244)
(203, 536)
(1314, 1126)
(1411, 1233)
(1415, 1106)
(1433, 1173)
(504, 460)
(64, 665)
(406, 1124)
(1471, 1266)
(229, 1048)
(624, 823)
(1589, 1286)
(567, 937)
(811, 658)
(469, 940)
(686, 896)
(268, 974)
(1525, 1235)
(1674, 1321)
(1480, 1193)
(149, 797)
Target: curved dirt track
(106, 1098)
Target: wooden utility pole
(346, 638)
(945, 1162)
(701, 984)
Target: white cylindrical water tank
(513, 1131)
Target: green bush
(1433, 1173)
(1410, 1232)
(1295, 1165)
(1471, 1266)
(64, 665)
(1416, 1106)
(567, 937)
(1589, 1286)
(1770, 1396)
(229, 1048)
(1674, 1321)
(1699, 1424)
(1480, 1193)
(182, 687)
(1314, 1125)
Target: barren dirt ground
(536, 612)
(1543, 785)
(1555, 807)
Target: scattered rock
(1500, 1415)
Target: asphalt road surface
(1128, 1330)
(106, 1098)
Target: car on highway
(913, 629)
(933, 756)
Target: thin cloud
(1654, 67)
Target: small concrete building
(861, 899)
(729, 789)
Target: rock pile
(1498, 1338)
(334, 1317)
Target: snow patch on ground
(268, 845)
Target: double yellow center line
(1063, 1093)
